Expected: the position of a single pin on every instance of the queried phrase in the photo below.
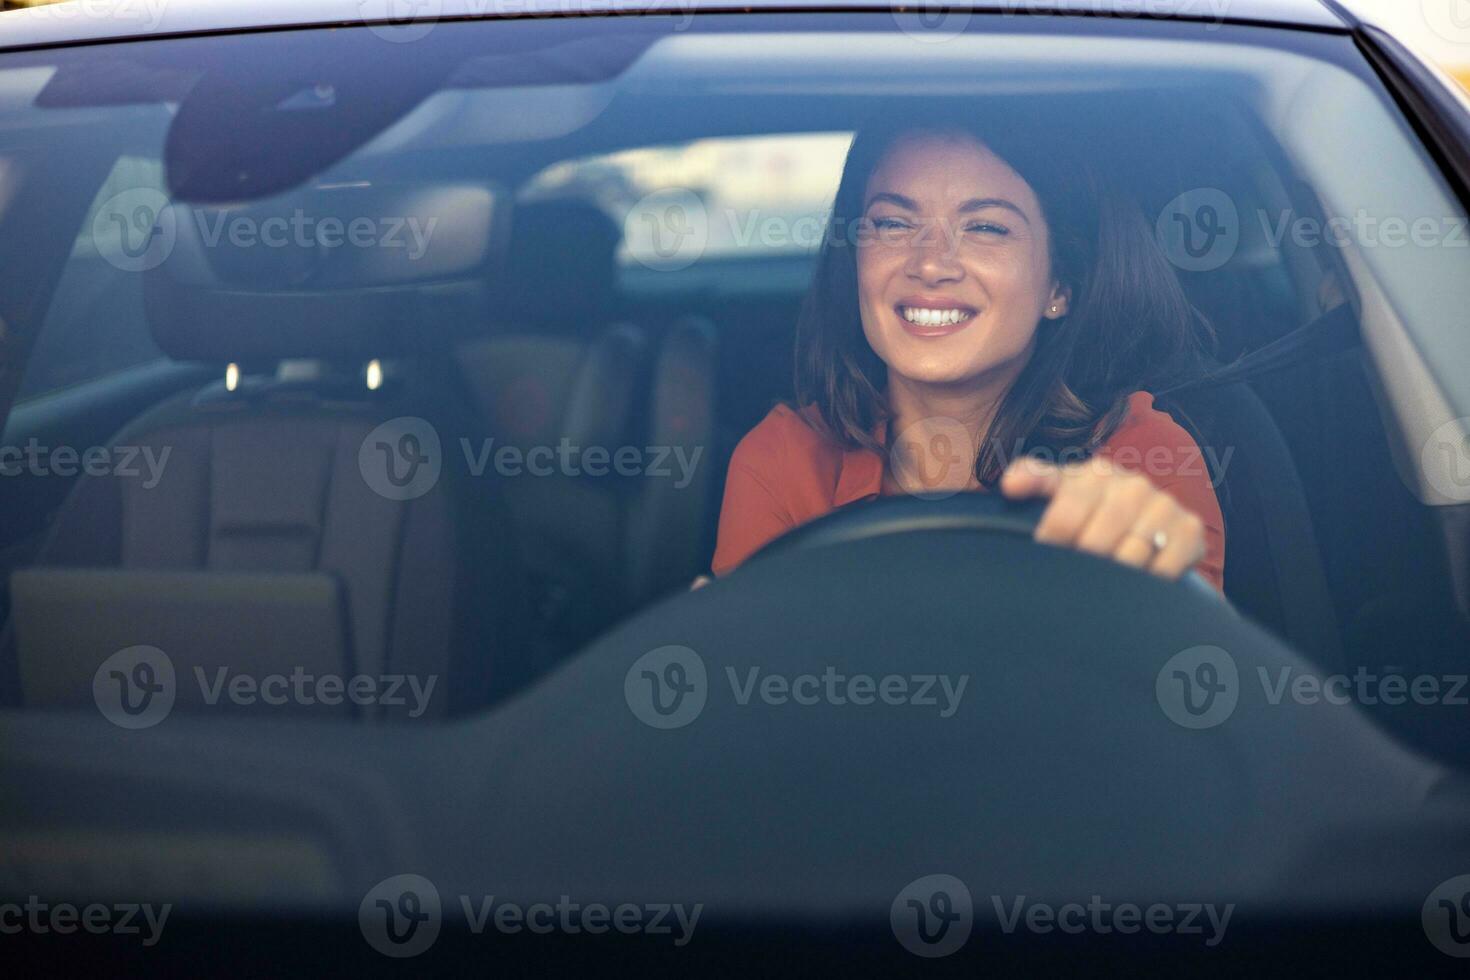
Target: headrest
(339, 272)
(562, 264)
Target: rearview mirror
(248, 129)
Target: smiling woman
(992, 299)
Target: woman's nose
(932, 259)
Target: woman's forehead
(935, 169)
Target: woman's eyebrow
(972, 205)
(981, 203)
(907, 203)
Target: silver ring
(1158, 541)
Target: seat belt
(1333, 331)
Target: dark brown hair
(1129, 325)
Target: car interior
(550, 332)
(542, 314)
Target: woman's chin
(945, 374)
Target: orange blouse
(784, 474)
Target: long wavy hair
(1129, 325)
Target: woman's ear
(1059, 303)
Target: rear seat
(558, 370)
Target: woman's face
(953, 272)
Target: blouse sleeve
(752, 513)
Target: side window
(96, 325)
(730, 198)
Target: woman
(985, 315)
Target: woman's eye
(987, 228)
(889, 223)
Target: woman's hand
(1100, 508)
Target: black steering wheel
(887, 516)
(901, 515)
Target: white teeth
(933, 318)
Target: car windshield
(380, 376)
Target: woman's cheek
(874, 264)
(872, 275)
(1011, 290)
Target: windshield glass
(383, 379)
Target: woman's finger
(1137, 547)
(1185, 547)
(1124, 500)
(1030, 477)
(1079, 493)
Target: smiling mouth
(935, 318)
